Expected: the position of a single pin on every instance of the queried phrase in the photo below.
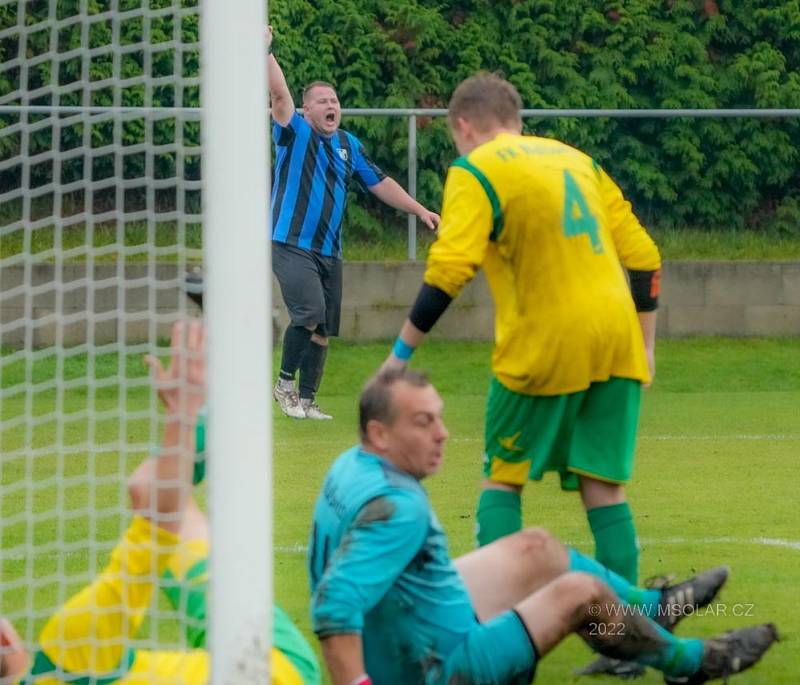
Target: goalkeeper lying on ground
(88, 639)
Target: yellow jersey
(88, 641)
(549, 228)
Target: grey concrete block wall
(377, 298)
(730, 298)
(42, 304)
(45, 304)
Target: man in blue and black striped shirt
(315, 162)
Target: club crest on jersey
(344, 154)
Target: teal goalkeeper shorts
(498, 651)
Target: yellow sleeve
(634, 245)
(193, 668)
(168, 668)
(283, 671)
(90, 633)
(467, 223)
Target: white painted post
(238, 305)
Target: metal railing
(413, 113)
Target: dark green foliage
(102, 59)
(716, 173)
(713, 173)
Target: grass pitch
(715, 480)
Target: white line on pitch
(703, 438)
(759, 541)
(774, 437)
(297, 548)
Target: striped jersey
(550, 228)
(309, 191)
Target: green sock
(616, 546)
(200, 447)
(676, 657)
(670, 654)
(649, 644)
(499, 514)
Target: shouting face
(321, 110)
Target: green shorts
(590, 433)
(189, 599)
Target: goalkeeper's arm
(344, 656)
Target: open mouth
(330, 117)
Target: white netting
(99, 221)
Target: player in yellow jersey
(89, 639)
(573, 348)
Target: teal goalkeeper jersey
(379, 565)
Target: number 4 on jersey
(577, 218)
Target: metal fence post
(412, 185)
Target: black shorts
(311, 285)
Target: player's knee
(535, 542)
(582, 589)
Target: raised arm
(282, 103)
(88, 638)
(160, 489)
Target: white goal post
(235, 167)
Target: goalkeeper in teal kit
(390, 606)
(423, 610)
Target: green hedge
(732, 173)
(87, 64)
(584, 53)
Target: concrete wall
(69, 305)
(730, 298)
(138, 302)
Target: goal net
(101, 219)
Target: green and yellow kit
(89, 640)
(554, 234)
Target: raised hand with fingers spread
(181, 385)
